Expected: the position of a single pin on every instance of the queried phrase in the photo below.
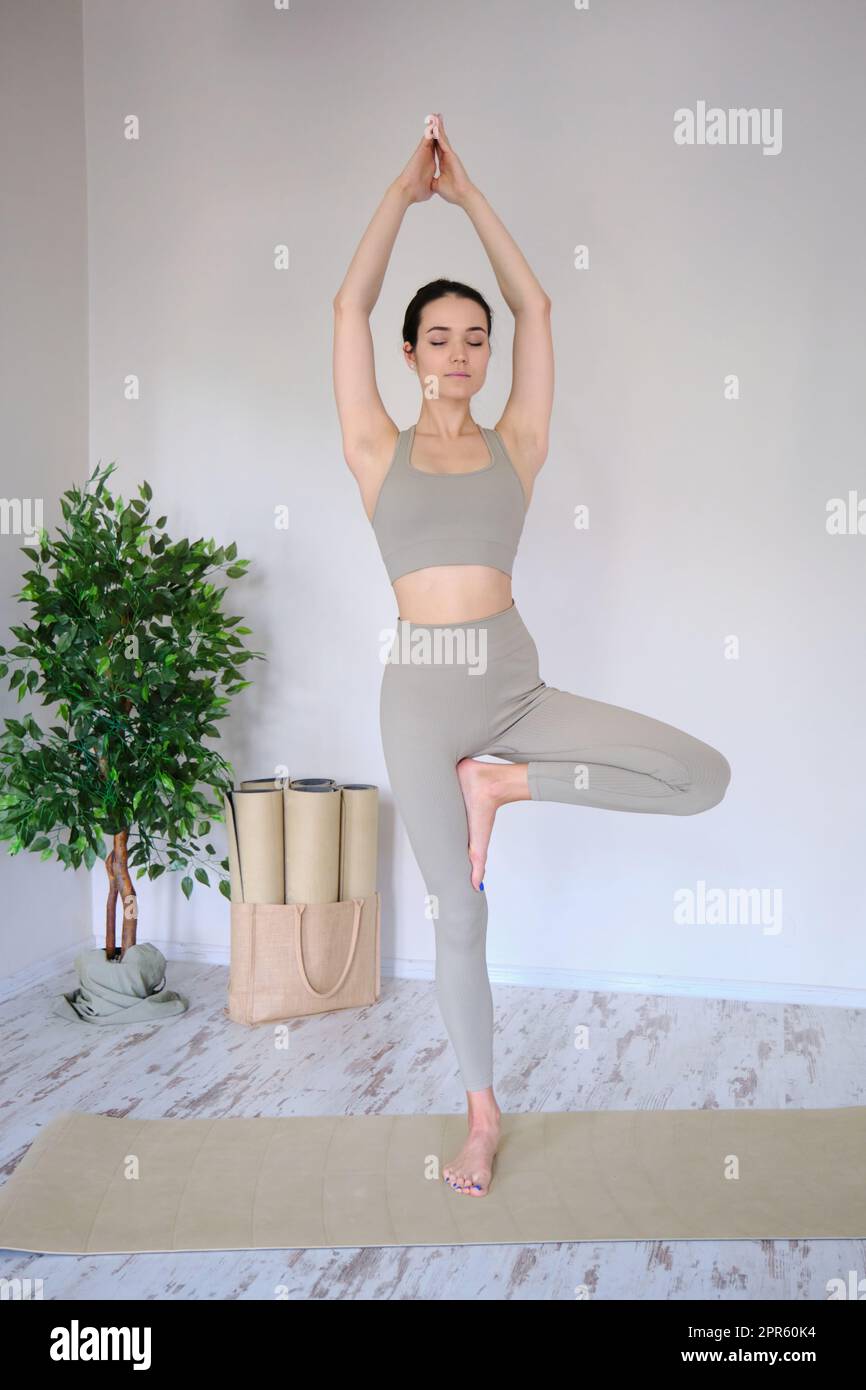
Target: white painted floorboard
(643, 1052)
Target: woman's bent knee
(710, 789)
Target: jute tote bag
(293, 959)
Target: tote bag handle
(299, 951)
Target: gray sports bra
(423, 519)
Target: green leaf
(225, 889)
(133, 747)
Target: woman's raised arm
(525, 421)
(364, 422)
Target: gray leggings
(456, 690)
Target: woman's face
(453, 348)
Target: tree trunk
(120, 886)
(110, 907)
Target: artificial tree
(128, 639)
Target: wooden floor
(643, 1051)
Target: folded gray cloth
(131, 990)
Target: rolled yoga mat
(359, 831)
(298, 1182)
(254, 824)
(255, 784)
(312, 844)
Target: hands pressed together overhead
(420, 179)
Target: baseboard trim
(41, 970)
(620, 982)
(528, 977)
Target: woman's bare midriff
(452, 593)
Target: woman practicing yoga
(447, 500)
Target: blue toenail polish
(482, 887)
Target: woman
(447, 501)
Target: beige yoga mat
(312, 844)
(111, 1185)
(359, 844)
(254, 827)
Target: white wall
(43, 384)
(260, 126)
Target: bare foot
(470, 1172)
(486, 787)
